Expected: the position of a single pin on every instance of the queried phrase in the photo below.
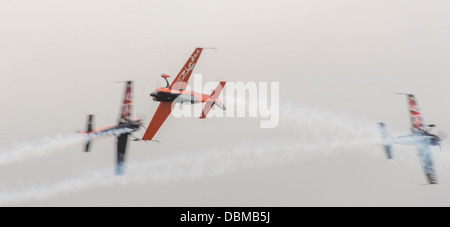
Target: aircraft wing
(121, 148)
(417, 121)
(181, 81)
(423, 150)
(161, 114)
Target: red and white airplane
(176, 93)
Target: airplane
(420, 137)
(176, 92)
(121, 130)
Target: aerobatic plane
(121, 130)
(421, 137)
(176, 92)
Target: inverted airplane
(121, 130)
(420, 137)
(176, 93)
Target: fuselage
(179, 96)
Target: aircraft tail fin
(89, 126)
(385, 137)
(213, 100)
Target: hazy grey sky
(59, 61)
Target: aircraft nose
(153, 94)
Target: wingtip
(208, 48)
(401, 93)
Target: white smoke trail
(48, 145)
(315, 134)
(189, 166)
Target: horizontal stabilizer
(213, 100)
